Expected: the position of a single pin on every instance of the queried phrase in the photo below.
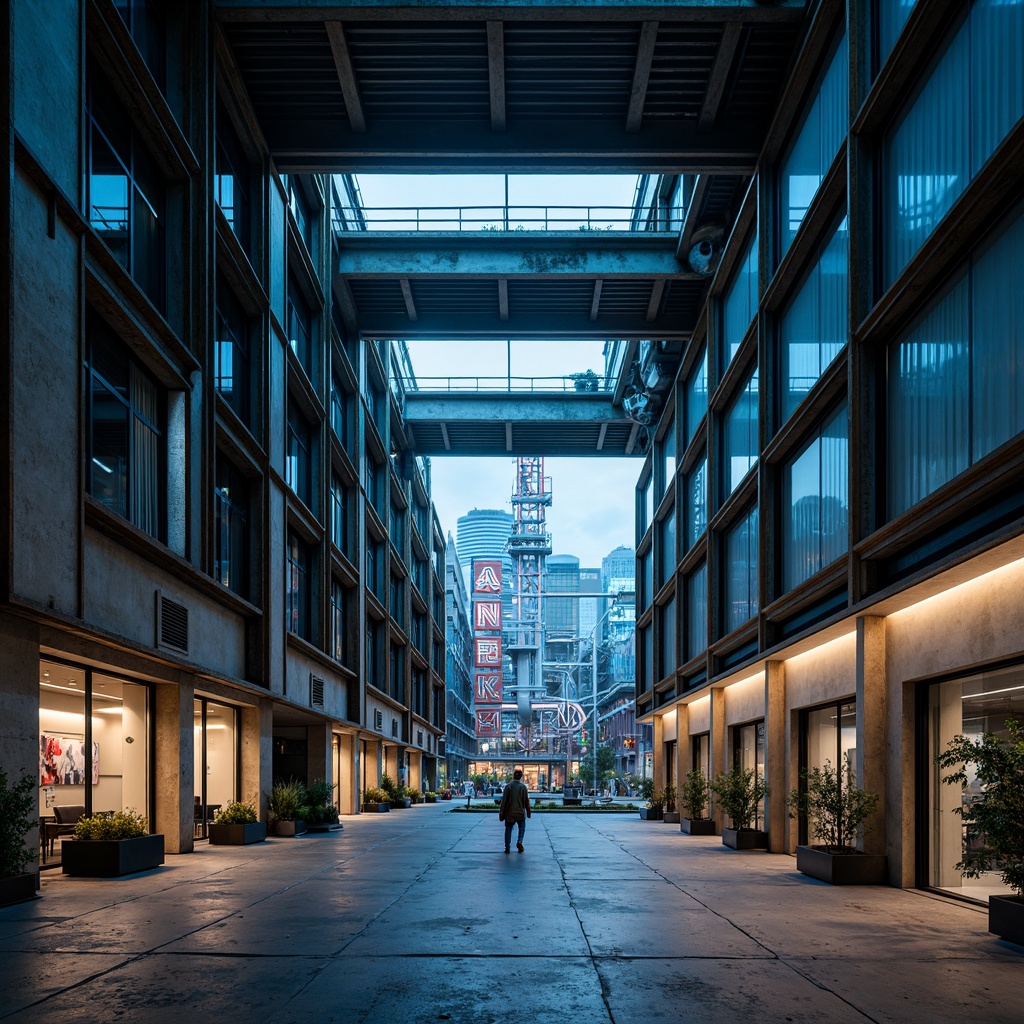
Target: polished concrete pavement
(418, 916)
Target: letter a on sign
(486, 615)
(486, 577)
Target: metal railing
(496, 218)
(587, 383)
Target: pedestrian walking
(515, 809)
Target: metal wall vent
(316, 692)
(378, 720)
(419, 737)
(394, 726)
(171, 624)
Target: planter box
(1006, 918)
(745, 839)
(430, 799)
(402, 803)
(650, 814)
(111, 858)
(18, 888)
(290, 828)
(841, 868)
(238, 835)
(697, 826)
(375, 808)
(327, 826)
(671, 817)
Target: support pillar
(174, 757)
(257, 748)
(871, 724)
(318, 752)
(719, 745)
(776, 745)
(658, 752)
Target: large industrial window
(739, 441)
(126, 443)
(696, 398)
(339, 517)
(741, 545)
(667, 448)
(815, 503)
(232, 368)
(739, 304)
(890, 16)
(970, 101)
(815, 146)
(696, 503)
(125, 192)
(300, 325)
(340, 412)
(667, 639)
(298, 599)
(953, 395)
(667, 545)
(697, 612)
(231, 540)
(813, 329)
(231, 180)
(338, 621)
(299, 455)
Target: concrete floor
(417, 916)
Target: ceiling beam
(346, 76)
(446, 438)
(410, 305)
(641, 76)
(727, 46)
(601, 436)
(657, 291)
(595, 303)
(496, 73)
(508, 436)
(503, 299)
(347, 304)
(631, 443)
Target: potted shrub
(414, 795)
(319, 811)
(396, 794)
(375, 799)
(108, 845)
(693, 797)
(653, 808)
(284, 802)
(836, 811)
(17, 819)
(430, 797)
(670, 813)
(739, 792)
(237, 824)
(994, 839)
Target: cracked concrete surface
(417, 916)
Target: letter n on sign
(486, 615)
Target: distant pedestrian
(515, 809)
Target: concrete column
(659, 753)
(175, 765)
(348, 780)
(257, 748)
(719, 745)
(871, 724)
(775, 756)
(684, 755)
(318, 752)
(19, 706)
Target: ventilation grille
(419, 737)
(316, 692)
(394, 727)
(378, 720)
(171, 624)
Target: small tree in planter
(375, 799)
(284, 802)
(318, 809)
(739, 793)
(654, 806)
(17, 819)
(668, 796)
(693, 796)
(836, 810)
(994, 818)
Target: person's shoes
(507, 850)
(519, 847)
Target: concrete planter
(18, 888)
(671, 817)
(650, 814)
(430, 799)
(290, 828)
(376, 808)
(697, 826)
(111, 858)
(238, 835)
(1006, 918)
(841, 868)
(401, 803)
(745, 838)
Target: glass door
(217, 767)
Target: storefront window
(701, 748)
(748, 754)
(216, 761)
(829, 734)
(970, 706)
(93, 749)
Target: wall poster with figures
(62, 761)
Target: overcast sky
(592, 510)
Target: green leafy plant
(836, 809)
(647, 788)
(668, 795)
(285, 798)
(318, 807)
(414, 794)
(389, 786)
(374, 795)
(694, 794)
(430, 793)
(656, 802)
(117, 825)
(17, 818)
(236, 813)
(994, 816)
(739, 792)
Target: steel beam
(507, 408)
(496, 73)
(724, 58)
(346, 76)
(641, 76)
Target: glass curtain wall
(972, 706)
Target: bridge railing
(495, 218)
(586, 383)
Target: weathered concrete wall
(744, 702)
(828, 672)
